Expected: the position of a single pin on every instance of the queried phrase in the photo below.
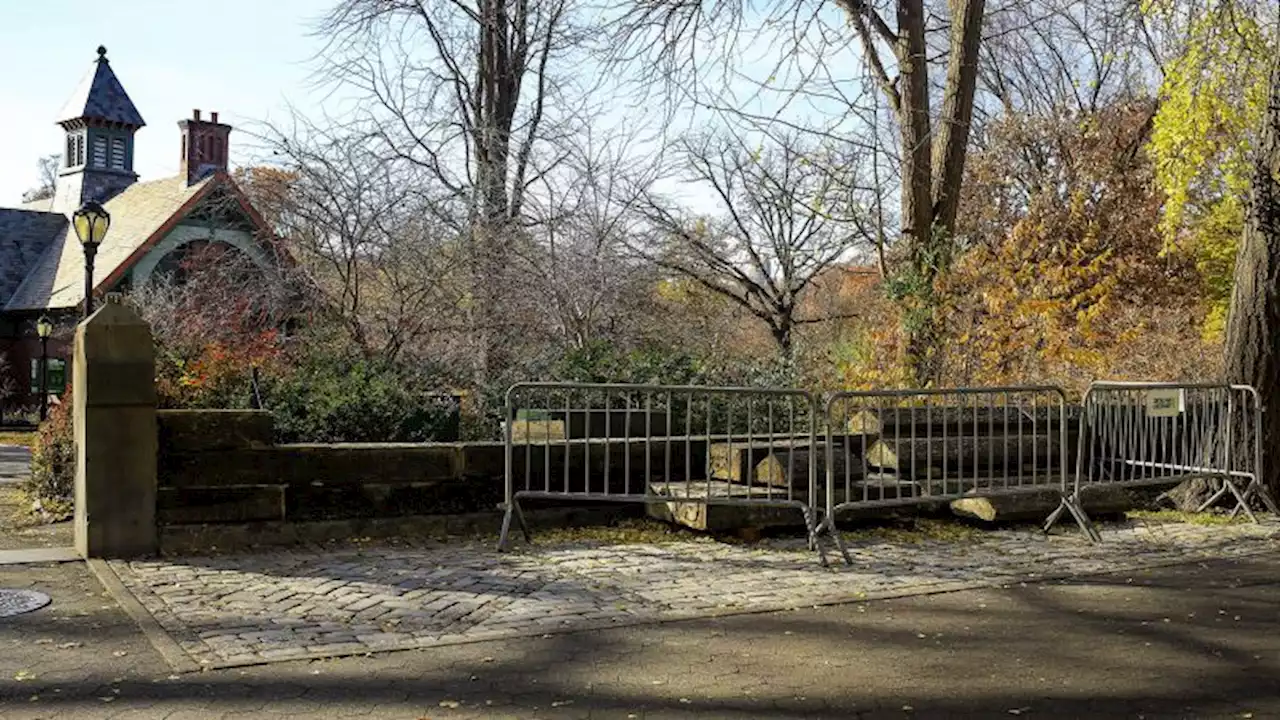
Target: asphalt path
(1190, 641)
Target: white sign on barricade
(1165, 402)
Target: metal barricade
(1142, 434)
(889, 448)
(684, 445)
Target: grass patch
(1191, 518)
(912, 531)
(14, 437)
(631, 531)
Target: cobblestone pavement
(1186, 641)
(226, 611)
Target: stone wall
(222, 466)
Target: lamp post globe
(44, 328)
(91, 222)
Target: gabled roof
(100, 96)
(25, 235)
(140, 216)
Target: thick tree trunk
(917, 136)
(932, 173)
(957, 112)
(499, 73)
(1253, 328)
(915, 124)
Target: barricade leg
(1215, 497)
(512, 509)
(828, 526)
(503, 535)
(811, 531)
(1071, 504)
(1257, 488)
(1242, 499)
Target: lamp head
(91, 222)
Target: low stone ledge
(203, 430)
(318, 501)
(305, 464)
(217, 505)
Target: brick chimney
(205, 146)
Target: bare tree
(369, 238)
(464, 91)
(48, 167)
(210, 292)
(1042, 57)
(671, 34)
(585, 220)
(788, 212)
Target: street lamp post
(44, 328)
(91, 222)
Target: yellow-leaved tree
(1212, 101)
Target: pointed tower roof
(101, 97)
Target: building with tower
(155, 223)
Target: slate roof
(25, 235)
(100, 96)
(56, 279)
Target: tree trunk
(957, 113)
(932, 174)
(783, 336)
(1253, 326)
(917, 210)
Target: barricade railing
(889, 448)
(687, 445)
(700, 447)
(1142, 434)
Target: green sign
(57, 376)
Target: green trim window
(57, 376)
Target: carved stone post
(115, 425)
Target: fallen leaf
(69, 645)
(449, 703)
(22, 675)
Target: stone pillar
(114, 412)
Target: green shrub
(335, 398)
(603, 362)
(50, 487)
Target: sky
(242, 58)
(248, 60)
